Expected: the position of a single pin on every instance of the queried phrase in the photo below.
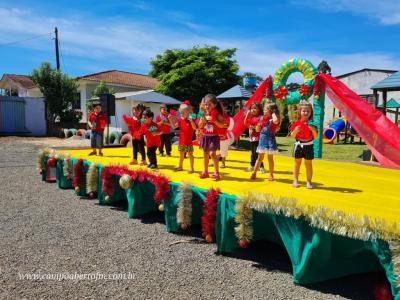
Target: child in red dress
(186, 128)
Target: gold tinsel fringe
(92, 179)
(40, 158)
(184, 212)
(334, 221)
(67, 165)
(244, 217)
(395, 249)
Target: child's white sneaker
(250, 169)
(262, 170)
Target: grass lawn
(348, 152)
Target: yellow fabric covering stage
(352, 188)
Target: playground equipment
(332, 131)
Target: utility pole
(57, 51)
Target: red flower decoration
(280, 93)
(304, 90)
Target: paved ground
(45, 230)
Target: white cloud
(133, 44)
(386, 11)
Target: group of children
(211, 128)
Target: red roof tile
(22, 80)
(123, 78)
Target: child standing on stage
(225, 134)
(97, 122)
(163, 124)
(186, 128)
(251, 120)
(134, 125)
(267, 127)
(152, 134)
(304, 134)
(210, 143)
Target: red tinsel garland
(268, 89)
(317, 86)
(281, 92)
(209, 214)
(304, 90)
(78, 178)
(160, 182)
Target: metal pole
(57, 50)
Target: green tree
(193, 73)
(102, 88)
(324, 67)
(59, 91)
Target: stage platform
(353, 188)
(349, 223)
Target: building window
(77, 101)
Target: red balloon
(209, 238)
(51, 162)
(382, 291)
(243, 244)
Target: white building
(360, 81)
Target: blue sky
(124, 35)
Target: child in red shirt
(268, 126)
(226, 136)
(304, 134)
(152, 134)
(163, 123)
(252, 119)
(134, 125)
(210, 142)
(186, 128)
(97, 122)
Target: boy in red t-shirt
(134, 125)
(97, 122)
(164, 126)
(152, 133)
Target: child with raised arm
(152, 134)
(210, 143)
(268, 126)
(304, 134)
(251, 120)
(186, 126)
(97, 122)
(134, 125)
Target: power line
(24, 40)
(62, 56)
